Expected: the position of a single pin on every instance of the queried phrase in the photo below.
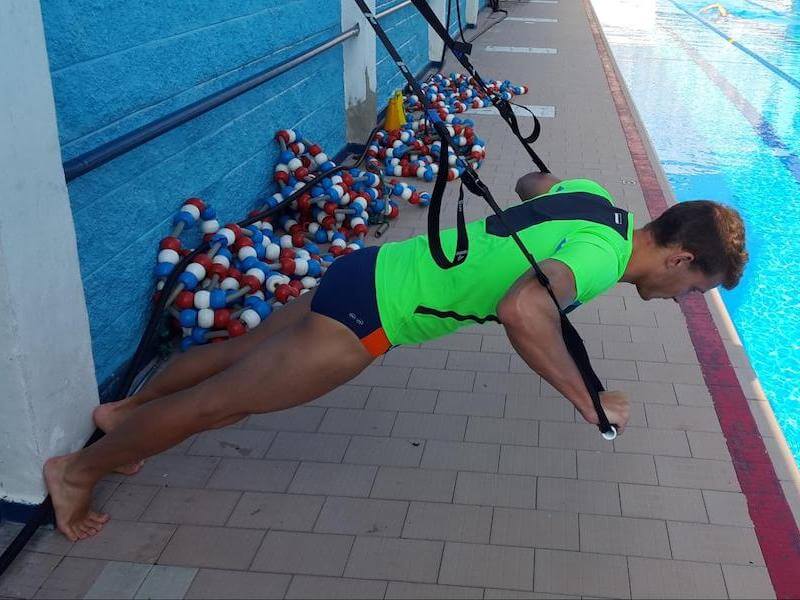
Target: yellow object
(395, 115)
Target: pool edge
(774, 515)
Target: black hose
(43, 513)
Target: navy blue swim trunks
(347, 294)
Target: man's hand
(617, 407)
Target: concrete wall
(118, 65)
(408, 31)
(47, 388)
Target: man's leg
(190, 368)
(297, 365)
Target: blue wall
(118, 65)
(408, 31)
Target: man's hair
(713, 232)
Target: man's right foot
(108, 417)
(71, 502)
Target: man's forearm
(540, 344)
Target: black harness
(470, 179)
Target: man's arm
(534, 184)
(533, 326)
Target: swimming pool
(727, 127)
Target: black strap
(470, 179)
(461, 51)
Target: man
(376, 298)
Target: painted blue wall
(118, 65)
(408, 31)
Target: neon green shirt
(419, 301)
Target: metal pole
(393, 9)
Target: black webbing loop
(434, 210)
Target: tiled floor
(451, 470)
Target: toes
(98, 517)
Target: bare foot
(71, 502)
(107, 417)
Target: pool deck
(451, 470)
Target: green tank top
(575, 222)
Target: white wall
(47, 385)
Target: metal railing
(88, 161)
(393, 9)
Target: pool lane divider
(780, 73)
(775, 526)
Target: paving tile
(580, 436)
(309, 586)
(658, 578)
(495, 594)
(345, 396)
(166, 583)
(72, 578)
(727, 508)
(175, 471)
(126, 541)
(634, 351)
(541, 409)
(496, 343)
(215, 584)
(680, 353)
(508, 383)
(471, 403)
(617, 333)
(477, 361)
(456, 522)
(669, 373)
(213, 547)
(630, 316)
(309, 553)
(322, 447)
(481, 565)
(577, 573)
(238, 443)
(118, 580)
(747, 582)
(398, 559)
(358, 421)
(416, 357)
(522, 460)
(502, 431)
(575, 495)
(708, 445)
(291, 512)
(687, 418)
(401, 590)
(624, 535)
(714, 543)
(782, 459)
(693, 395)
(615, 369)
(641, 440)
(253, 475)
(697, 473)
(384, 451)
(47, 540)
(624, 468)
(457, 341)
(442, 379)
(661, 335)
(193, 507)
(414, 484)
(27, 573)
(460, 456)
(361, 516)
(494, 489)
(535, 528)
(765, 418)
(299, 418)
(383, 376)
(647, 392)
(385, 398)
(129, 501)
(338, 480)
(654, 502)
(430, 426)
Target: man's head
(693, 246)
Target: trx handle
(434, 209)
(461, 51)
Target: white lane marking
(521, 50)
(539, 111)
(531, 19)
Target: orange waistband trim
(376, 342)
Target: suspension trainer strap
(470, 179)
(461, 51)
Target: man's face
(675, 277)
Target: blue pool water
(727, 127)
